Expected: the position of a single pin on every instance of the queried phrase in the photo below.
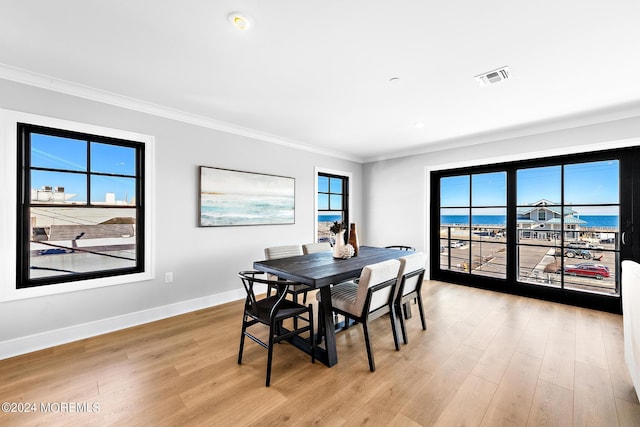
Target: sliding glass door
(568, 226)
(555, 228)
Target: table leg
(329, 326)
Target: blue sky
(584, 184)
(71, 155)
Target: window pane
(113, 159)
(539, 265)
(592, 183)
(489, 189)
(454, 252)
(488, 237)
(58, 187)
(454, 216)
(489, 222)
(335, 202)
(335, 185)
(454, 239)
(489, 257)
(325, 221)
(54, 152)
(537, 186)
(592, 276)
(590, 224)
(323, 184)
(67, 241)
(323, 202)
(113, 190)
(454, 191)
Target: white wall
(396, 193)
(204, 261)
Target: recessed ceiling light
(418, 125)
(394, 80)
(240, 21)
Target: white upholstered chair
(312, 248)
(370, 298)
(410, 277)
(631, 319)
(277, 252)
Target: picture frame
(237, 198)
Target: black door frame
(629, 235)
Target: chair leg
(270, 355)
(294, 297)
(402, 326)
(320, 333)
(347, 322)
(392, 316)
(372, 365)
(406, 308)
(312, 338)
(422, 318)
(244, 328)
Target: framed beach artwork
(230, 197)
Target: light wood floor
(486, 359)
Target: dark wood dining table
(318, 271)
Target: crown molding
(43, 81)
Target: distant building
(543, 220)
(50, 194)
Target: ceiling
(317, 74)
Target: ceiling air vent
(494, 76)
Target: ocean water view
(591, 220)
(228, 209)
(329, 218)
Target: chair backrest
(373, 275)
(249, 278)
(409, 276)
(401, 248)
(276, 252)
(312, 248)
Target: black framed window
(80, 207)
(554, 228)
(332, 203)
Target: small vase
(353, 239)
(339, 244)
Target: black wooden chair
(272, 311)
(410, 278)
(370, 298)
(401, 248)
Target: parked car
(579, 253)
(583, 245)
(587, 269)
(456, 244)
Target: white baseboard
(42, 340)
